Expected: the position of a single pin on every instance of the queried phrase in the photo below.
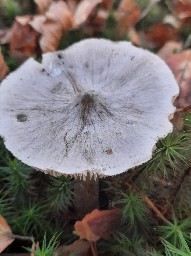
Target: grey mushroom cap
(97, 106)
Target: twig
(149, 7)
(27, 238)
(153, 207)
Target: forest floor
(143, 212)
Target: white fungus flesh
(97, 106)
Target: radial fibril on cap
(97, 106)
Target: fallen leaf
(84, 9)
(5, 36)
(98, 224)
(134, 36)
(127, 15)
(183, 10)
(24, 39)
(180, 65)
(78, 248)
(43, 5)
(169, 48)
(158, 34)
(96, 23)
(107, 4)
(72, 4)
(178, 121)
(52, 25)
(59, 12)
(3, 67)
(5, 232)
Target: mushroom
(96, 107)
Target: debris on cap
(96, 107)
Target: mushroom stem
(86, 195)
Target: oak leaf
(98, 224)
(5, 234)
(3, 67)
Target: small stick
(149, 7)
(13, 236)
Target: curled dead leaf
(3, 67)
(98, 224)
(5, 234)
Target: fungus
(96, 107)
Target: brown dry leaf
(134, 36)
(5, 36)
(52, 25)
(96, 23)
(5, 232)
(183, 10)
(3, 67)
(43, 5)
(84, 10)
(72, 4)
(98, 224)
(127, 15)
(78, 248)
(169, 48)
(107, 4)
(180, 65)
(24, 39)
(158, 34)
